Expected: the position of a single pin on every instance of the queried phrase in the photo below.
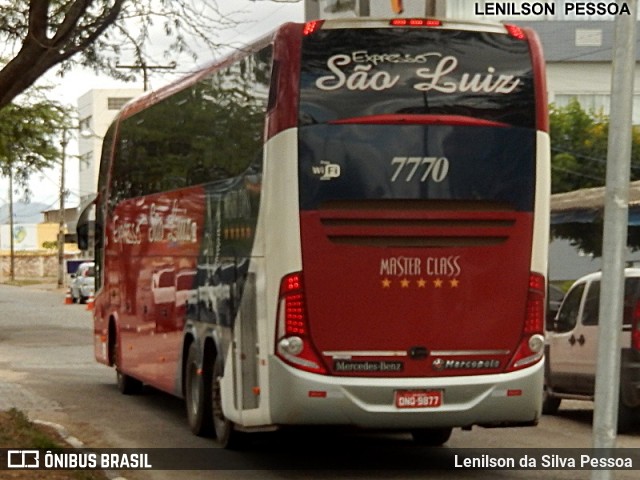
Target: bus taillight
(415, 22)
(531, 346)
(534, 322)
(312, 27)
(515, 32)
(635, 327)
(293, 343)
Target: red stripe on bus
(413, 119)
(539, 80)
(283, 114)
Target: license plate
(418, 398)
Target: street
(47, 369)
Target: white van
(572, 348)
(83, 282)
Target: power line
(586, 157)
(145, 70)
(577, 174)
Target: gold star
(454, 283)
(437, 283)
(422, 283)
(404, 283)
(386, 283)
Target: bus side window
(568, 314)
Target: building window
(588, 37)
(116, 103)
(85, 124)
(85, 160)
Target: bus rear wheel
(431, 437)
(224, 429)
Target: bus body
(345, 223)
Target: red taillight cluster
(635, 327)
(291, 294)
(294, 315)
(531, 347)
(312, 27)
(293, 342)
(534, 320)
(516, 32)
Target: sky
(254, 19)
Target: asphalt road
(47, 369)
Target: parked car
(83, 282)
(555, 297)
(572, 348)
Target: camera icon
(23, 459)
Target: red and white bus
(345, 223)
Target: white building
(577, 47)
(96, 111)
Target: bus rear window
(426, 162)
(354, 73)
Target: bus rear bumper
(302, 398)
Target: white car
(83, 282)
(572, 348)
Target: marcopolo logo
(440, 364)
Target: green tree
(29, 138)
(579, 148)
(39, 34)
(579, 156)
(574, 143)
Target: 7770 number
(434, 168)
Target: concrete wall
(31, 266)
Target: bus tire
(550, 404)
(126, 384)
(224, 430)
(198, 394)
(627, 417)
(431, 437)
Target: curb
(43, 287)
(76, 443)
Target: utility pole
(616, 217)
(145, 70)
(12, 271)
(364, 8)
(311, 9)
(63, 143)
(436, 8)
